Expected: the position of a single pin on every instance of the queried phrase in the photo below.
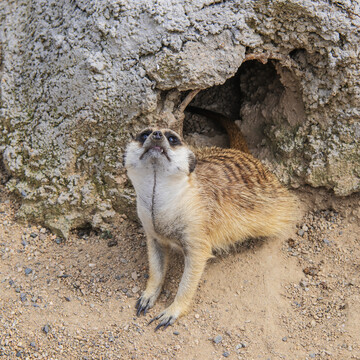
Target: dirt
(297, 298)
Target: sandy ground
(298, 298)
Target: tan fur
(228, 198)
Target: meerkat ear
(192, 161)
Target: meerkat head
(162, 148)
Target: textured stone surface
(77, 77)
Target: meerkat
(197, 201)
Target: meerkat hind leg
(158, 259)
(195, 262)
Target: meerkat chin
(197, 201)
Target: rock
(217, 339)
(28, 271)
(226, 354)
(112, 243)
(176, 333)
(301, 232)
(46, 329)
(63, 153)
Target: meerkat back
(242, 198)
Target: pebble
(134, 275)
(217, 339)
(284, 339)
(33, 235)
(58, 240)
(23, 297)
(135, 289)
(24, 243)
(112, 243)
(46, 329)
(197, 316)
(301, 232)
(326, 241)
(28, 271)
(226, 354)
(176, 333)
(67, 298)
(312, 355)
(32, 344)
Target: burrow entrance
(260, 98)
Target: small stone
(176, 333)
(23, 297)
(244, 344)
(33, 235)
(301, 232)
(58, 240)
(24, 243)
(67, 298)
(326, 241)
(11, 282)
(28, 271)
(46, 329)
(112, 243)
(32, 344)
(134, 275)
(217, 339)
(312, 355)
(19, 354)
(135, 289)
(197, 316)
(284, 339)
(226, 354)
(305, 228)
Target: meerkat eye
(143, 136)
(173, 140)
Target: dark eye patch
(172, 138)
(143, 136)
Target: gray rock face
(77, 77)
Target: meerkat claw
(152, 320)
(142, 305)
(165, 323)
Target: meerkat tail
(236, 137)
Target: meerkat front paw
(145, 303)
(168, 316)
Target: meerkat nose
(157, 135)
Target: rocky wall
(78, 77)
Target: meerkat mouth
(156, 149)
